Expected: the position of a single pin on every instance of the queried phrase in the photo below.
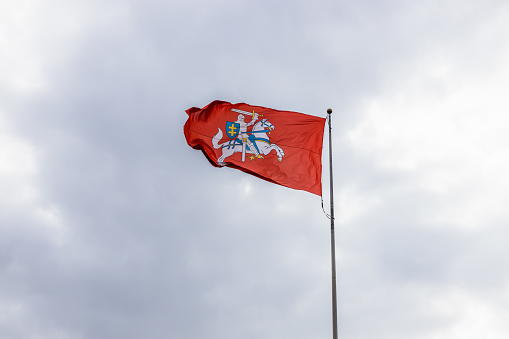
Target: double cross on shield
(232, 129)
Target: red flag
(279, 146)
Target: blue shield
(232, 129)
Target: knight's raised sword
(246, 113)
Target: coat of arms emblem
(255, 142)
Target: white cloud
(472, 317)
(446, 130)
(18, 166)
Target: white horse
(258, 136)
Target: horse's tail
(216, 138)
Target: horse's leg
(263, 148)
(227, 151)
(266, 149)
(279, 151)
(220, 160)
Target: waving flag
(278, 146)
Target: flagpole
(333, 245)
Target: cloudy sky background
(112, 227)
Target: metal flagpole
(333, 245)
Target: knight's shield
(232, 129)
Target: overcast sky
(111, 226)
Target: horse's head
(265, 125)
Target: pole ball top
(329, 111)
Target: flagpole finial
(329, 111)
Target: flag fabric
(278, 146)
